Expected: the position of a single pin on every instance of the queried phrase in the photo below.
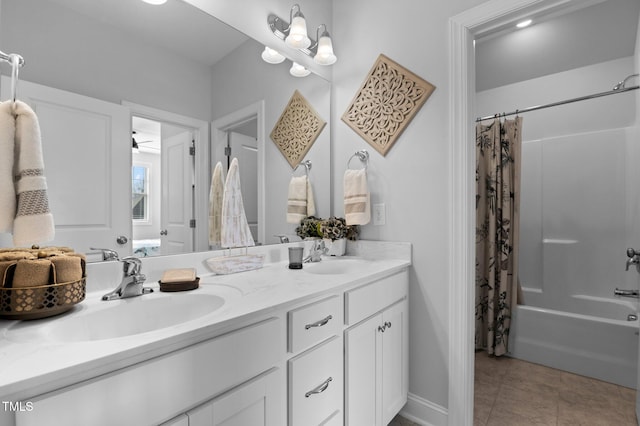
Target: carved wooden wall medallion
(297, 129)
(388, 99)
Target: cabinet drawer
(315, 384)
(365, 301)
(313, 323)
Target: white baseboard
(423, 412)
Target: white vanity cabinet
(376, 351)
(161, 388)
(334, 355)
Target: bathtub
(603, 345)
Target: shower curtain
(498, 147)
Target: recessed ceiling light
(156, 2)
(524, 23)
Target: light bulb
(155, 2)
(325, 55)
(298, 70)
(297, 37)
(272, 56)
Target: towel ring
(363, 156)
(16, 62)
(307, 166)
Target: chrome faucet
(627, 293)
(107, 254)
(317, 250)
(284, 239)
(132, 280)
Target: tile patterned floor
(511, 392)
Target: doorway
(163, 172)
(464, 28)
(241, 134)
(169, 173)
(242, 143)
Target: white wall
(242, 79)
(412, 179)
(71, 52)
(575, 211)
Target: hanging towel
(7, 188)
(216, 193)
(300, 202)
(33, 223)
(235, 231)
(357, 200)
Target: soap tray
(238, 263)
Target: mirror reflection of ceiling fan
(138, 144)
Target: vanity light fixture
(524, 24)
(295, 36)
(272, 56)
(298, 70)
(155, 2)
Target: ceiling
(588, 32)
(175, 25)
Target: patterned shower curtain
(498, 147)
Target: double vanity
(325, 345)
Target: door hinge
(192, 150)
(227, 151)
(192, 223)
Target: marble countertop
(34, 361)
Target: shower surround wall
(579, 213)
(578, 200)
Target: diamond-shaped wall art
(297, 129)
(388, 99)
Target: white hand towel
(300, 201)
(7, 188)
(235, 231)
(357, 200)
(216, 193)
(33, 223)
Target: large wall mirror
(101, 75)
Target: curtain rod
(567, 101)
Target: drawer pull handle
(323, 387)
(320, 323)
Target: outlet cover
(379, 214)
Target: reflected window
(140, 193)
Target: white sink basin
(333, 266)
(118, 318)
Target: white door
(362, 361)
(245, 149)
(92, 205)
(177, 194)
(395, 368)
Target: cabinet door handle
(381, 328)
(387, 324)
(320, 323)
(323, 387)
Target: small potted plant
(335, 233)
(309, 228)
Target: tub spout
(627, 293)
